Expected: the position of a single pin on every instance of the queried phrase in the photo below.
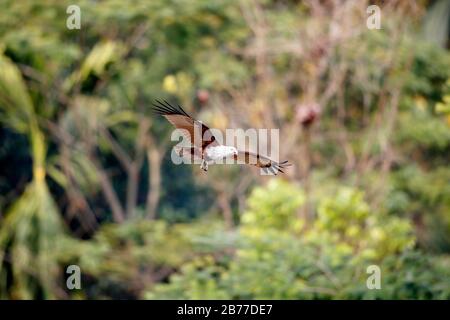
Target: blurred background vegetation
(85, 170)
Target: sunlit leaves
(29, 237)
(273, 207)
(31, 226)
(15, 103)
(273, 260)
(96, 62)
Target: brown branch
(154, 159)
(117, 150)
(135, 166)
(109, 192)
(224, 204)
(132, 188)
(105, 183)
(78, 202)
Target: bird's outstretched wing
(268, 165)
(189, 126)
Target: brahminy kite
(205, 146)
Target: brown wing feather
(255, 159)
(181, 120)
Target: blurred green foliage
(327, 260)
(86, 176)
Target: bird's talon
(204, 166)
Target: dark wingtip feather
(277, 167)
(163, 107)
(285, 164)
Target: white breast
(217, 152)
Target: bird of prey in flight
(205, 147)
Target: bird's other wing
(268, 165)
(189, 126)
